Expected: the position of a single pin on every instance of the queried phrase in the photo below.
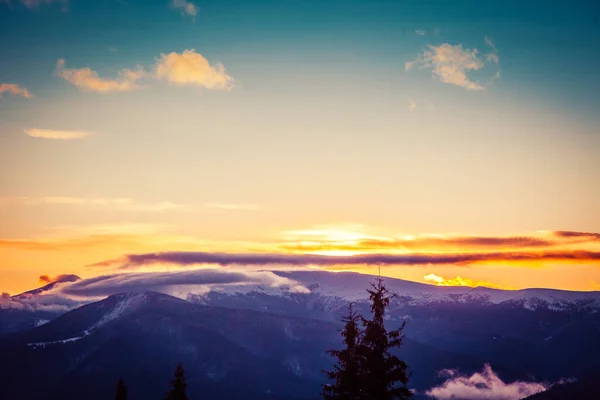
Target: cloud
(37, 3)
(450, 64)
(361, 243)
(191, 68)
(227, 259)
(587, 236)
(233, 207)
(15, 90)
(492, 57)
(120, 203)
(75, 238)
(185, 6)
(47, 298)
(46, 279)
(459, 281)
(483, 385)
(88, 80)
(42, 302)
(167, 282)
(56, 134)
(420, 32)
(125, 204)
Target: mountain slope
(227, 353)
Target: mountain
(23, 311)
(551, 334)
(271, 341)
(61, 279)
(350, 286)
(584, 389)
(227, 353)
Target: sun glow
(460, 281)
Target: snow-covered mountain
(228, 354)
(342, 287)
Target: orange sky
(566, 260)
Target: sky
(451, 143)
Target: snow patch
(64, 341)
(127, 302)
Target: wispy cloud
(73, 238)
(450, 64)
(169, 281)
(233, 206)
(186, 7)
(459, 281)
(46, 279)
(88, 80)
(492, 56)
(15, 90)
(191, 68)
(56, 134)
(120, 203)
(359, 242)
(37, 3)
(226, 259)
(584, 236)
(127, 204)
(482, 385)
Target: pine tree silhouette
(179, 385)
(121, 390)
(385, 375)
(346, 372)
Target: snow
(350, 286)
(63, 341)
(126, 303)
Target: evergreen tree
(345, 375)
(385, 375)
(121, 390)
(179, 385)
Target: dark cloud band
(227, 259)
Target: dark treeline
(365, 368)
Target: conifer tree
(121, 390)
(385, 375)
(345, 375)
(179, 385)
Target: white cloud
(168, 281)
(185, 7)
(482, 385)
(56, 134)
(450, 64)
(191, 68)
(14, 89)
(88, 80)
(420, 32)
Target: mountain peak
(66, 278)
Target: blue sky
(402, 117)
